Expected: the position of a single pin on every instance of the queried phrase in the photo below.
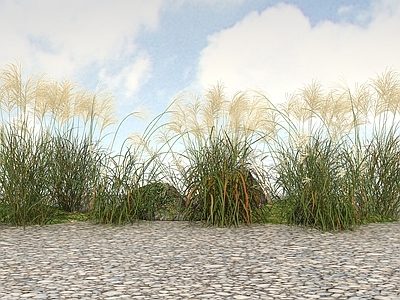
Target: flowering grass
(216, 156)
(338, 165)
(326, 158)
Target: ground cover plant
(326, 158)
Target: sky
(146, 52)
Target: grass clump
(129, 189)
(316, 186)
(338, 166)
(220, 187)
(217, 162)
(48, 160)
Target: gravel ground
(179, 260)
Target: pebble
(181, 260)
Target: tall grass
(381, 174)
(74, 168)
(218, 157)
(221, 189)
(338, 166)
(326, 158)
(382, 178)
(315, 171)
(24, 181)
(48, 160)
(316, 185)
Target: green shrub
(166, 201)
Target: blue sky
(146, 52)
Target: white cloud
(279, 51)
(64, 37)
(137, 74)
(130, 77)
(355, 15)
(345, 9)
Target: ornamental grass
(327, 158)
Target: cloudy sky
(146, 52)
